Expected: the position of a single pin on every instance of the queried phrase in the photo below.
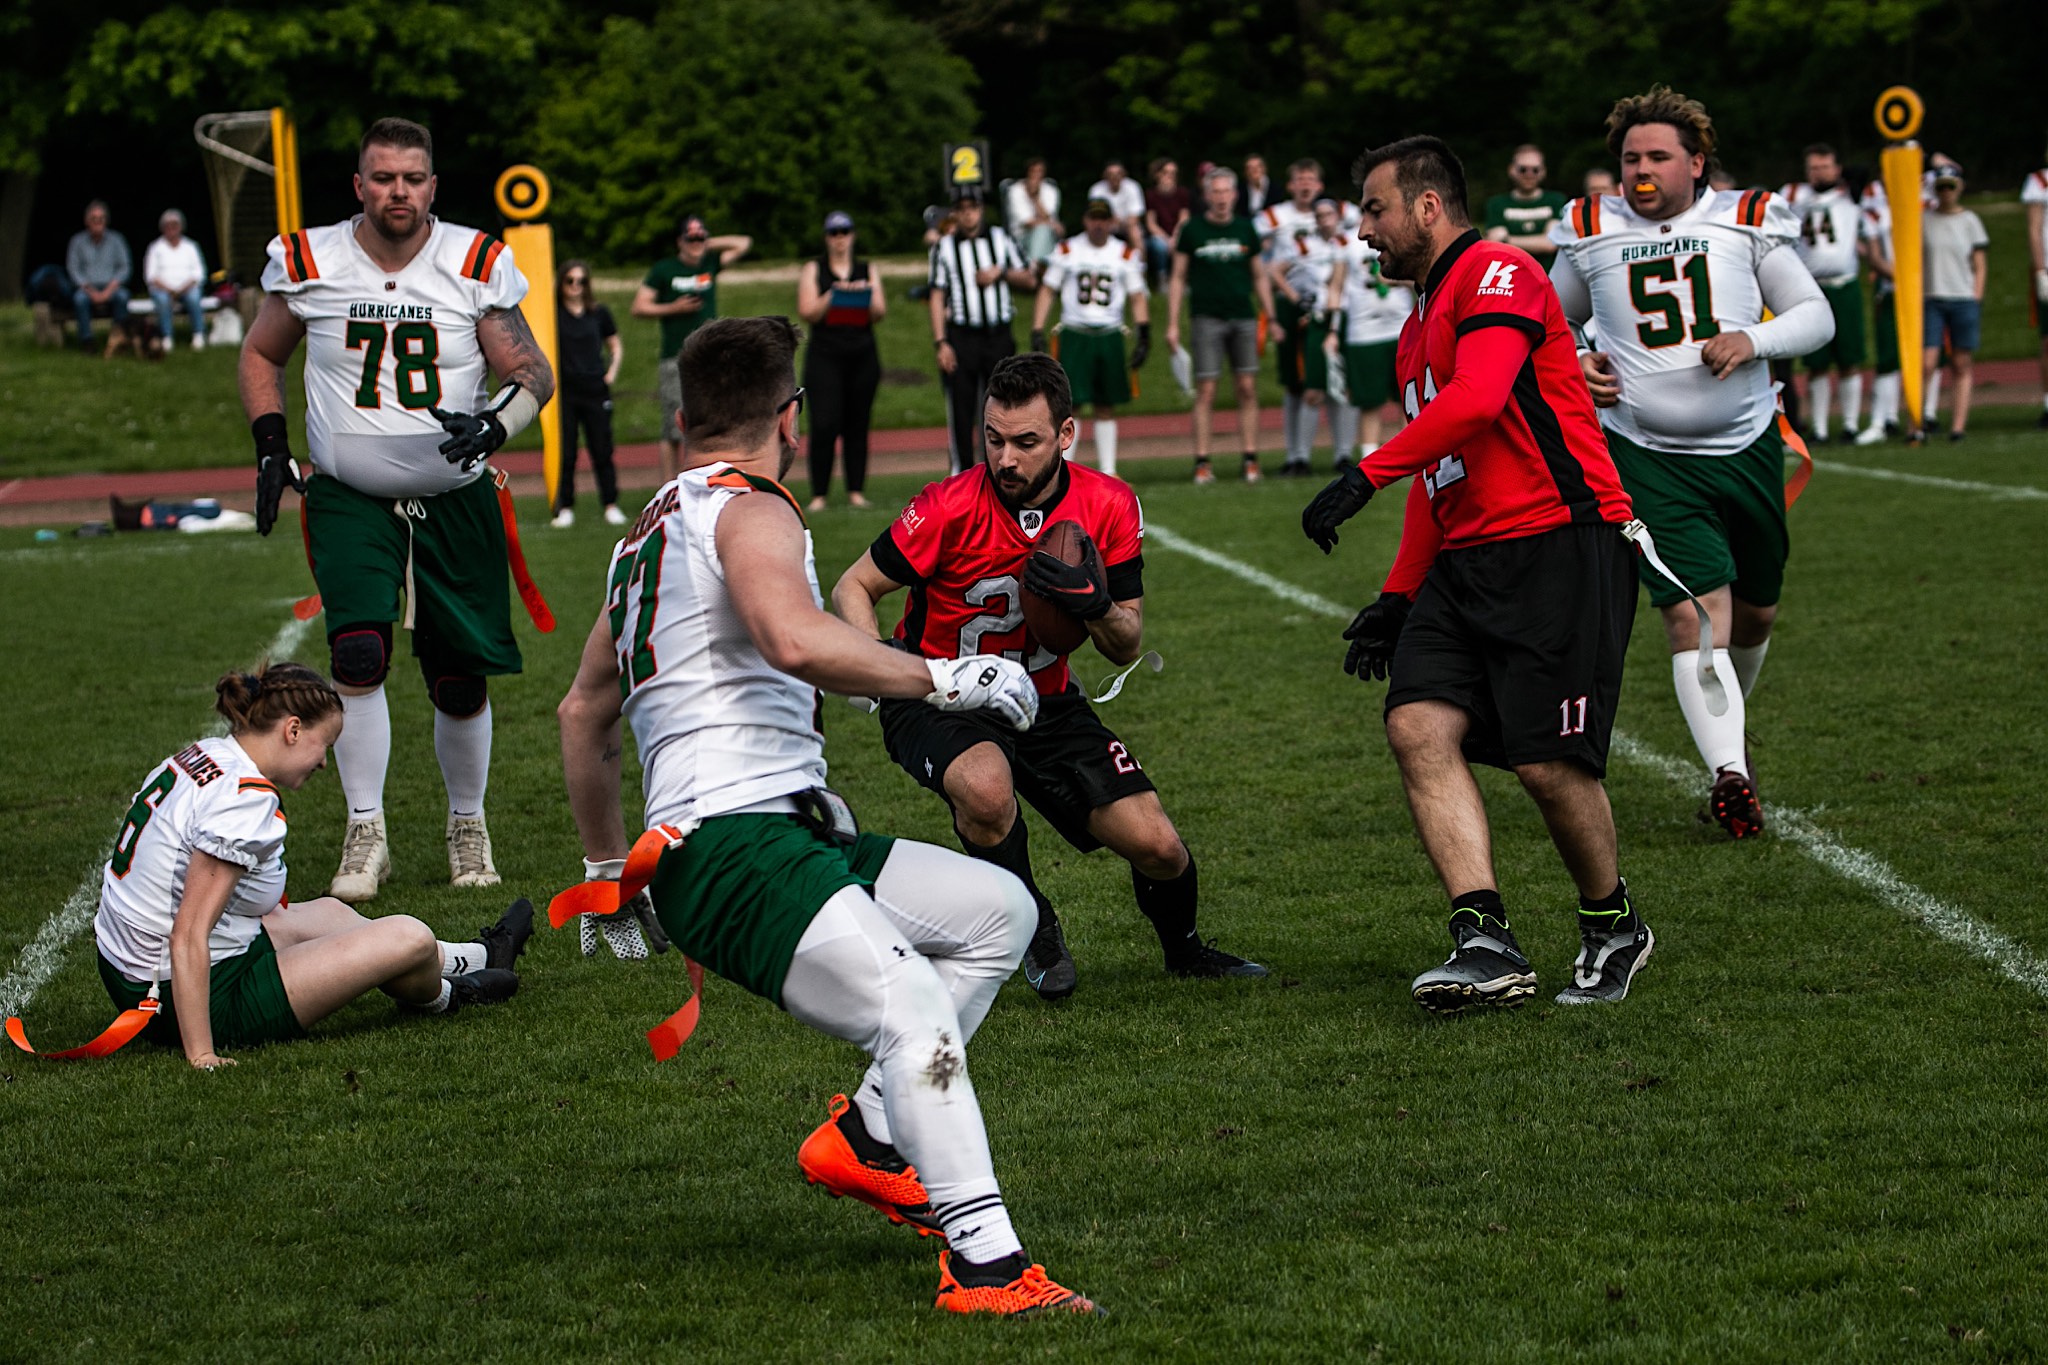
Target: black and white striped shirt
(956, 260)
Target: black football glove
(1373, 633)
(1082, 590)
(276, 470)
(1342, 498)
(1144, 346)
(1038, 341)
(472, 436)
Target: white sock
(363, 753)
(1820, 391)
(1852, 400)
(1105, 444)
(1343, 431)
(1290, 406)
(1748, 661)
(977, 1224)
(460, 959)
(1884, 400)
(1931, 408)
(1719, 737)
(464, 748)
(443, 1000)
(2044, 402)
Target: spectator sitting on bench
(99, 265)
(175, 271)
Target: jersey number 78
(415, 352)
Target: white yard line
(1866, 870)
(2001, 492)
(45, 953)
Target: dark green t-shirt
(671, 279)
(1525, 217)
(1219, 266)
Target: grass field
(1813, 1132)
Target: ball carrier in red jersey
(964, 549)
(1506, 617)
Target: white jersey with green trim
(382, 347)
(1660, 290)
(1285, 222)
(1375, 310)
(209, 797)
(1877, 222)
(719, 728)
(2034, 190)
(1309, 265)
(1830, 224)
(1094, 281)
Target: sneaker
(1207, 960)
(1251, 469)
(1846, 436)
(1872, 435)
(1296, 469)
(199, 341)
(1606, 963)
(613, 516)
(491, 986)
(365, 862)
(1048, 966)
(888, 1183)
(506, 940)
(1734, 804)
(1204, 475)
(469, 853)
(564, 519)
(978, 1289)
(1486, 968)
(1955, 436)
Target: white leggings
(908, 974)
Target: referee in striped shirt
(973, 269)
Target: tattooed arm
(514, 356)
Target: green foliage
(757, 115)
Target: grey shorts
(668, 384)
(1214, 336)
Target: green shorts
(1718, 520)
(1369, 371)
(244, 994)
(1846, 350)
(1884, 318)
(739, 894)
(367, 552)
(1094, 362)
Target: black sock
(1170, 905)
(1483, 908)
(1611, 914)
(1013, 854)
(864, 1144)
(989, 1274)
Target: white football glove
(984, 681)
(622, 931)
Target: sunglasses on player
(796, 398)
(696, 236)
(839, 232)
(575, 281)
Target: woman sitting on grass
(194, 893)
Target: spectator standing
(175, 271)
(837, 299)
(1167, 206)
(1255, 191)
(1522, 217)
(1033, 208)
(99, 265)
(2034, 198)
(681, 293)
(1954, 241)
(1218, 273)
(591, 352)
(973, 269)
(1600, 181)
(1127, 197)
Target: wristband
(273, 437)
(514, 409)
(603, 869)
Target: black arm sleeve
(1126, 580)
(891, 562)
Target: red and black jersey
(961, 550)
(1501, 429)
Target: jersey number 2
(416, 362)
(988, 623)
(1663, 304)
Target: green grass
(1813, 1132)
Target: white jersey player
(2034, 201)
(1885, 390)
(1375, 311)
(713, 644)
(402, 314)
(1833, 242)
(192, 913)
(1095, 273)
(1678, 279)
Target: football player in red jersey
(964, 549)
(1506, 616)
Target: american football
(1052, 625)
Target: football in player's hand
(1055, 627)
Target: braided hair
(253, 702)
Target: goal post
(252, 174)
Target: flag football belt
(306, 608)
(117, 1035)
(609, 897)
(1638, 535)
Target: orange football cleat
(1030, 1292)
(828, 1159)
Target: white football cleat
(365, 862)
(469, 853)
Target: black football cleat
(1607, 962)
(1734, 804)
(1206, 960)
(506, 940)
(491, 986)
(1486, 968)
(1048, 966)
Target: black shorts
(1528, 637)
(1067, 765)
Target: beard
(1401, 258)
(384, 228)
(1026, 493)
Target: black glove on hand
(276, 470)
(472, 436)
(1373, 633)
(1082, 590)
(1038, 340)
(1342, 498)
(1144, 346)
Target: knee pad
(361, 655)
(460, 695)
